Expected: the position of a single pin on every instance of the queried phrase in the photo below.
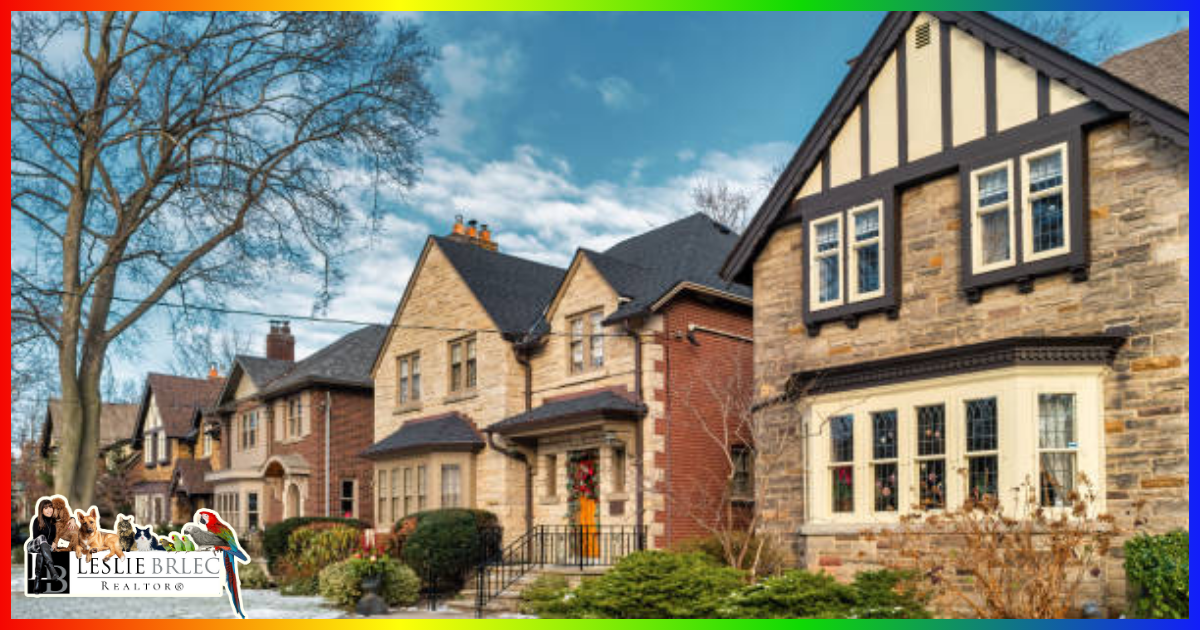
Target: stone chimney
(281, 345)
(472, 233)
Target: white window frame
(1027, 199)
(1016, 391)
(1069, 449)
(814, 258)
(977, 264)
(854, 245)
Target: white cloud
(617, 93)
(467, 73)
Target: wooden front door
(584, 473)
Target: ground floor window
(451, 485)
(252, 511)
(881, 452)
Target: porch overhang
(570, 413)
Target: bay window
(944, 442)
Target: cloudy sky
(567, 130)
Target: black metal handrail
(562, 545)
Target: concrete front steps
(509, 600)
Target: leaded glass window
(1057, 446)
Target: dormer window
(848, 273)
(1023, 217)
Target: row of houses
(972, 274)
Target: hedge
(276, 537)
(657, 585)
(1157, 570)
(444, 545)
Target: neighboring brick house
(169, 484)
(977, 260)
(291, 431)
(587, 368)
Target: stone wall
(1138, 208)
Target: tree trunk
(79, 440)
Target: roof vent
(923, 35)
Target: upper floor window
(1024, 217)
(847, 264)
(249, 430)
(826, 262)
(408, 385)
(293, 416)
(587, 341)
(463, 371)
(866, 253)
(163, 455)
(148, 448)
(1044, 212)
(208, 444)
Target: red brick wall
(351, 431)
(701, 381)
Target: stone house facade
(973, 276)
(173, 454)
(291, 431)
(570, 372)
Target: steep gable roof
(512, 290)
(1159, 68)
(1092, 81)
(176, 398)
(117, 421)
(345, 362)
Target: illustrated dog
(66, 530)
(94, 540)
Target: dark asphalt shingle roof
(646, 267)
(117, 423)
(1159, 68)
(604, 402)
(512, 290)
(448, 432)
(177, 398)
(345, 362)
(262, 370)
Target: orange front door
(589, 537)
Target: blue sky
(566, 130)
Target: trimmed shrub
(276, 537)
(1157, 570)
(253, 575)
(310, 550)
(548, 597)
(800, 594)
(404, 527)
(299, 585)
(770, 560)
(446, 544)
(655, 585)
(341, 582)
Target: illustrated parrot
(214, 534)
(182, 543)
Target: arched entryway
(291, 502)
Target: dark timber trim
(902, 101)
(978, 357)
(989, 88)
(1043, 95)
(1119, 97)
(947, 92)
(825, 170)
(1022, 272)
(864, 135)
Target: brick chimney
(472, 233)
(281, 345)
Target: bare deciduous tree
(1084, 34)
(722, 203)
(188, 155)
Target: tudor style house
(590, 396)
(170, 484)
(973, 274)
(290, 431)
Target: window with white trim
(1044, 216)
(866, 252)
(451, 485)
(826, 262)
(879, 453)
(992, 229)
